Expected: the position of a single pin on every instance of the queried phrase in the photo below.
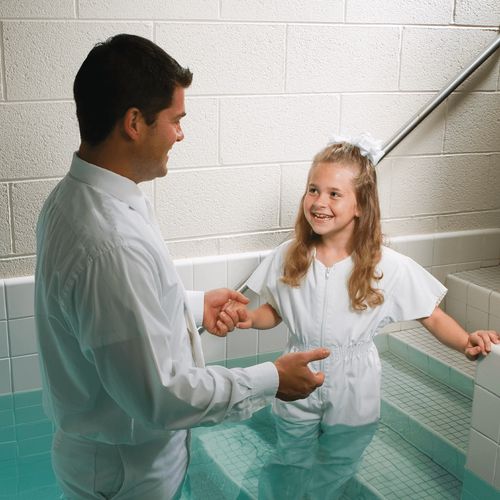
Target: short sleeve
(264, 280)
(416, 293)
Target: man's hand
(480, 343)
(296, 380)
(215, 320)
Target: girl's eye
(334, 194)
(312, 190)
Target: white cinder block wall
(273, 81)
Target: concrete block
(407, 226)
(42, 58)
(11, 267)
(383, 114)
(253, 241)
(293, 186)
(480, 12)
(200, 145)
(424, 186)
(439, 54)
(18, 9)
(472, 123)
(39, 140)
(463, 221)
(276, 129)
(239, 199)
(197, 247)
(5, 238)
(228, 58)
(148, 9)
(277, 10)
(27, 201)
(342, 58)
(396, 12)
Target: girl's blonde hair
(367, 240)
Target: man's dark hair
(123, 72)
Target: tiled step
(392, 468)
(427, 413)
(419, 348)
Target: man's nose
(180, 135)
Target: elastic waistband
(338, 351)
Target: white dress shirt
(120, 356)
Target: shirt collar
(111, 183)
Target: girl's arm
(262, 318)
(450, 333)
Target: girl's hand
(480, 343)
(236, 309)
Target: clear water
(225, 460)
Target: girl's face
(330, 201)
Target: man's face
(160, 137)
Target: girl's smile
(330, 205)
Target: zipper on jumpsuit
(322, 338)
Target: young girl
(335, 285)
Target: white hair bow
(368, 146)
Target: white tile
(241, 343)
(227, 57)
(486, 413)
(457, 310)
(240, 267)
(442, 272)
(273, 340)
(323, 58)
(214, 348)
(4, 343)
(3, 310)
(22, 336)
(494, 304)
(184, 268)
(478, 297)
(209, 273)
(408, 325)
(475, 319)
(26, 373)
(496, 480)
(421, 248)
(5, 379)
(20, 293)
(481, 456)
(457, 288)
(488, 371)
(391, 327)
(490, 245)
(494, 323)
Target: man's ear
(133, 123)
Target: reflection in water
(313, 460)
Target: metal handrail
(421, 114)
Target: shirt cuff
(196, 304)
(265, 379)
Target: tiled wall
(441, 254)
(483, 458)
(273, 82)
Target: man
(122, 367)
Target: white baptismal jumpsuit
(321, 438)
